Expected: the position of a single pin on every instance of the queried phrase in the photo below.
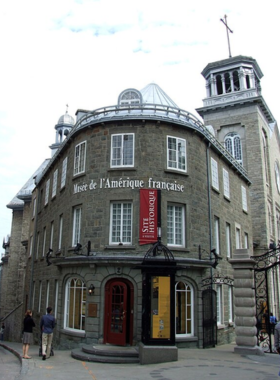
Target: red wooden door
(116, 313)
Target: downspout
(33, 247)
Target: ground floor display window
(75, 304)
(184, 310)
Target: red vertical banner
(148, 216)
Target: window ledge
(124, 168)
(186, 339)
(77, 333)
(121, 246)
(226, 198)
(215, 189)
(221, 326)
(176, 171)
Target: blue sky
(85, 52)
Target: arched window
(184, 310)
(233, 145)
(236, 82)
(219, 85)
(130, 96)
(228, 83)
(265, 154)
(75, 304)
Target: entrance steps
(103, 353)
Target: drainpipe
(33, 247)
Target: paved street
(9, 365)
(219, 363)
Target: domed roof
(66, 119)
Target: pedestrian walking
(27, 339)
(273, 321)
(47, 325)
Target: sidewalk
(220, 363)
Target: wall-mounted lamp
(91, 289)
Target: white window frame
(226, 183)
(77, 215)
(228, 239)
(51, 237)
(244, 199)
(220, 305)
(233, 146)
(40, 297)
(47, 294)
(230, 304)
(214, 174)
(238, 237)
(47, 192)
(33, 295)
(34, 207)
(69, 319)
(176, 235)
(44, 241)
(60, 231)
(80, 158)
(118, 212)
(56, 299)
(189, 311)
(38, 245)
(217, 234)
(246, 240)
(177, 156)
(63, 173)
(54, 185)
(118, 153)
(31, 246)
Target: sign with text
(148, 216)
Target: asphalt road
(9, 365)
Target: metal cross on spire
(224, 21)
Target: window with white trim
(226, 183)
(44, 241)
(63, 172)
(33, 295)
(80, 158)
(246, 240)
(233, 145)
(220, 305)
(238, 237)
(40, 296)
(121, 223)
(176, 153)
(270, 218)
(278, 224)
(60, 232)
(34, 207)
(228, 240)
(244, 199)
(51, 237)
(217, 234)
(77, 214)
(47, 294)
(56, 299)
(75, 304)
(175, 225)
(38, 245)
(122, 150)
(54, 185)
(230, 304)
(47, 192)
(184, 315)
(31, 245)
(214, 173)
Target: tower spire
(224, 21)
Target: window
(217, 234)
(228, 240)
(47, 294)
(176, 225)
(38, 245)
(233, 145)
(80, 158)
(220, 314)
(56, 299)
(270, 218)
(278, 223)
(238, 237)
(51, 238)
(76, 226)
(226, 183)
(33, 295)
(34, 207)
(184, 310)
(121, 223)
(47, 192)
(122, 150)
(130, 97)
(244, 199)
(31, 246)
(40, 297)
(265, 155)
(176, 153)
(44, 241)
(230, 304)
(75, 304)
(214, 172)
(246, 240)
(54, 183)
(60, 232)
(63, 173)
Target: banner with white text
(148, 216)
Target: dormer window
(130, 97)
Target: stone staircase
(103, 353)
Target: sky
(84, 53)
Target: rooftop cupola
(63, 127)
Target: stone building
(140, 203)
